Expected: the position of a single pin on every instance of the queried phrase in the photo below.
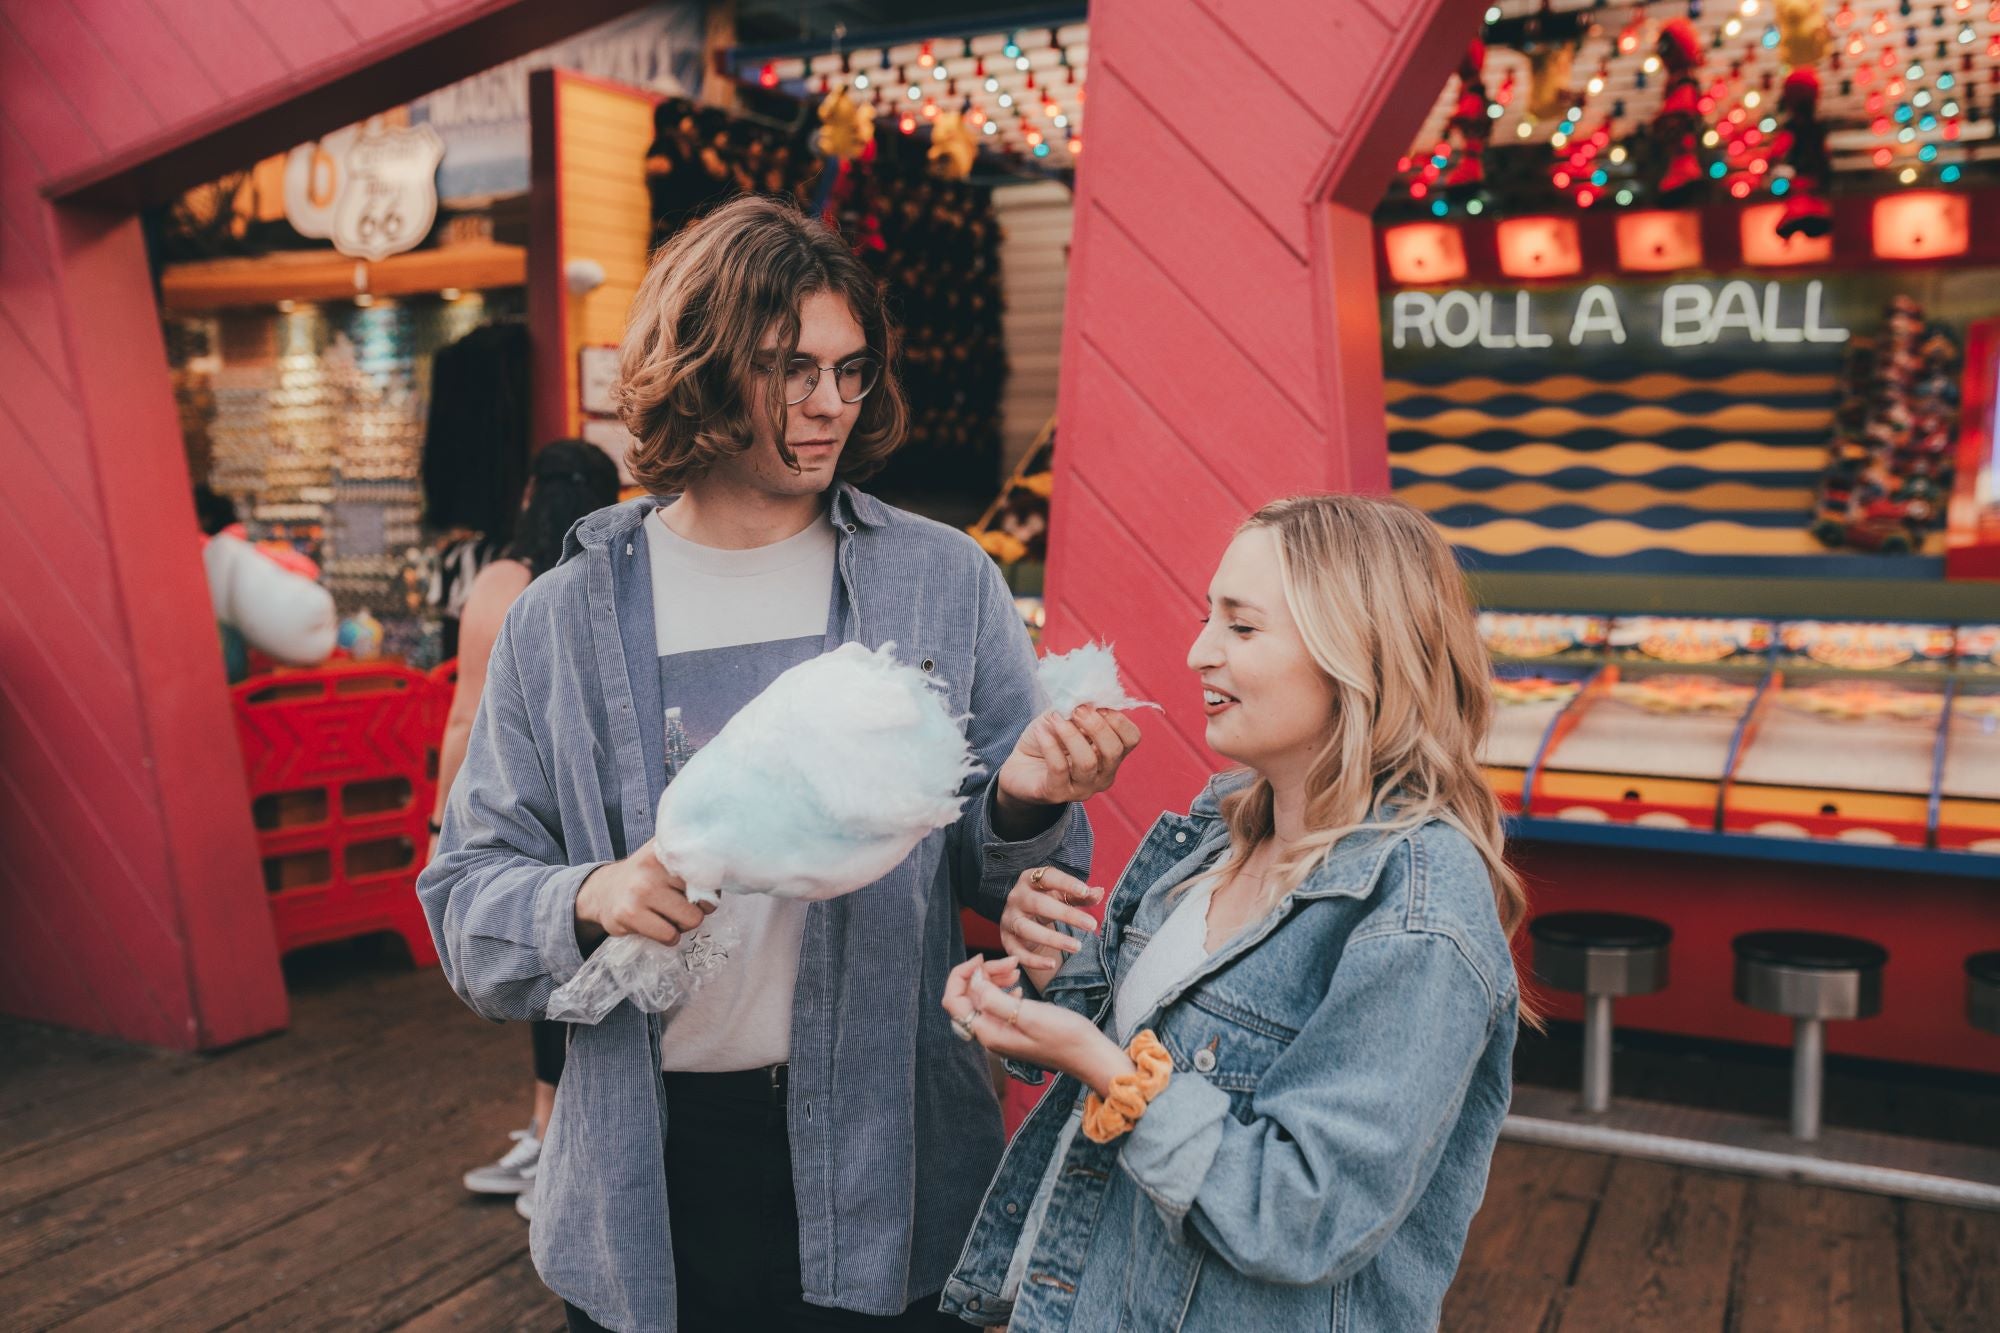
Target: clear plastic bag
(653, 976)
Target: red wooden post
(130, 898)
(1221, 345)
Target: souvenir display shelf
(1862, 744)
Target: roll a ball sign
(1673, 315)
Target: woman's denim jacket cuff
(1170, 1149)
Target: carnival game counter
(1761, 769)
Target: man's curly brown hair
(687, 385)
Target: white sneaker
(524, 1202)
(514, 1172)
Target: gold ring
(1035, 875)
(1014, 1019)
(963, 1024)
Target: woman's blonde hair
(1382, 608)
(686, 370)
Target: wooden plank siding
(1220, 346)
(130, 897)
(589, 149)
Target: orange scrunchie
(1105, 1118)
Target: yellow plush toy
(953, 146)
(846, 127)
(1548, 79)
(1802, 32)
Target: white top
(1180, 946)
(728, 623)
(721, 599)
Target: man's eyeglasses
(852, 378)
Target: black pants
(551, 1044)
(736, 1220)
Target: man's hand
(1064, 759)
(636, 896)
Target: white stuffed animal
(280, 613)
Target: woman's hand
(1017, 1028)
(1063, 759)
(1040, 898)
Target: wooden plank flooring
(311, 1181)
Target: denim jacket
(893, 1124)
(1340, 1074)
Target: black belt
(766, 1086)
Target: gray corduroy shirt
(893, 1123)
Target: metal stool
(1982, 991)
(1601, 955)
(1810, 978)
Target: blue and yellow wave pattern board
(1643, 427)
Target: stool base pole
(1808, 1073)
(1597, 1053)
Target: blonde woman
(1285, 1058)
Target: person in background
(566, 480)
(1286, 1054)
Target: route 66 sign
(372, 193)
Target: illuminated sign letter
(1468, 308)
(1814, 333)
(1736, 308)
(1522, 334)
(1774, 332)
(1684, 312)
(1414, 312)
(1596, 312)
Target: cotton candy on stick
(1088, 675)
(819, 786)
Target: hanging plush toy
(1549, 67)
(1678, 120)
(845, 126)
(1470, 127)
(1802, 32)
(954, 146)
(1803, 145)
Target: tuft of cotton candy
(820, 785)
(1089, 675)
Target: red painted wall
(130, 896)
(1221, 345)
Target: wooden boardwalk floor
(311, 1181)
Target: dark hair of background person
(568, 479)
(476, 434)
(687, 385)
(213, 512)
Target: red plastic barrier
(339, 764)
(444, 684)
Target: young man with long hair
(800, 1144)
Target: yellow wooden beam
(324, 275)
